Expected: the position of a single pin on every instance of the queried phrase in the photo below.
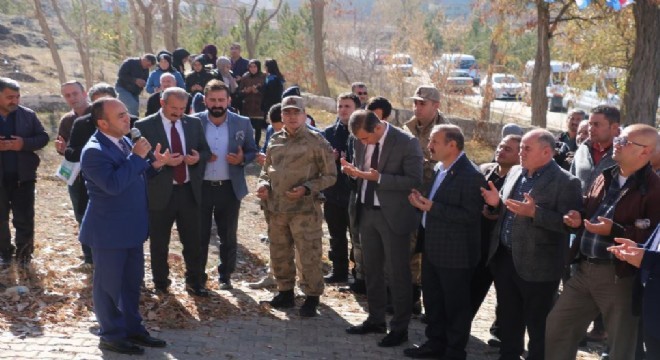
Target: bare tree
(318, 7)
(640, 101)
(121, 39)
(170, 16)
(142, 15)
(81, 38)
(45, 29)
(252, 32)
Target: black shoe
(162, 290)
(335, 278)
(283, 300)
(357, 287)
(225, 285)
(584, 342)
(366, 328)
(197, 290)
(121, 346)
(147, 340)
(424, 351)
(394, 338)
(494, 341)
(308, 309)
(24, 262)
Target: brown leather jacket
(640, 201)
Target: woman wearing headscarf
(225, 74)
(197, 79)
(250, 89)
(164, 65)
(180, 57)
(210, 53)
(273, 86)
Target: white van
(557, 82)
(466, 62)
(603, 90)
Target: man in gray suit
(387, 165)
(231, 139)
(450, 233)
(529, 242)
(175, 194)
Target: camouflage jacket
(304, 158)
(423, 135)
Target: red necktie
(176, 147)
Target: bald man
(623, 201)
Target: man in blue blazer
(231, 140)
(115, 225)
(647, 258)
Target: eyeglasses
(623, 142)
(362, 93)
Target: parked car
(459, 81)
(557, 82)
(505, 86)
(466, 62)
(402, 63)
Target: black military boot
(283, 300)
(308, 309)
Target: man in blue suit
(231, 139)
(647, 258)
(115, 225)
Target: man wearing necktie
(646, 257)
(175, 193)
(115, 225)
(387, 165)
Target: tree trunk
(122, 46)
(175, 23)
(81, 40)
(144, 23)
(541, 66)
(318, 7)
(487, 96)
(640, 101)
(45, 29)
(166, 16)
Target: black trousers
(18, 198)
(522, 305)
(258, 124)
(336, 216)
(652, 344)
(480, 284)
(448, 308)
(220, 202)
(183, 210)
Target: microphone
(135, 136)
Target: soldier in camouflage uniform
(426, 102)
(299, 165)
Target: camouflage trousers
(295, 244)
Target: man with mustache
(231, 139)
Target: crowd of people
(414, 223)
